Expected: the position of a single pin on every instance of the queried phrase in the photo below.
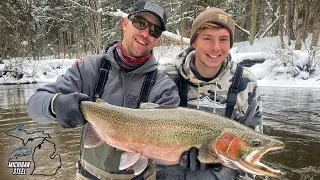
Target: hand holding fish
(189, 160)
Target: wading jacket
(121, 89)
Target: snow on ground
(270, 73)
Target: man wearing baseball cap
(124, 75)
(208, 79)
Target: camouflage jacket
(211, 96)
(201, 94)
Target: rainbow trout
(163, 134)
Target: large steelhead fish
(163, 134)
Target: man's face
(212, 47)
(138, 43)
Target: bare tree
(299, 26)
(316, 28)
(281, 23)
(289, 21)
(254, 10)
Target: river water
(290, 114)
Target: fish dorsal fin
(149, 105)
(92, 138)
(205, 156)
(140, 165)
(128, 159)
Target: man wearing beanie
(208, 79)
(124, 75)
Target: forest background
(59, 29)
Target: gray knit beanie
(215, 16)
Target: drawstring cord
(198, 103)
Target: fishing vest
(232, 92)
(84, 166)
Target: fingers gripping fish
(163, 134)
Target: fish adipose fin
(205, 156)
(92, 139)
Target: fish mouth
(251, 163)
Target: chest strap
(103, 77)
(149, 81)
(233, 91)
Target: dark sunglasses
(141, 23)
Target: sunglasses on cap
(141, 23)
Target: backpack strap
(233, 91)
(149, 81)
(103, 77)
(183, 91)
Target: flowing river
(290, 114)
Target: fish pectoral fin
(92, 138)
(128, 159)
(205, 156)
(140, 165)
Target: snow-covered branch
(269, 27)
(121, 14)
(244, 30)
(175, 37)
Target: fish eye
(256, 143)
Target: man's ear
(125, 23)
(193, 45)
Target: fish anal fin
(205, 156)
(92, 138)
(140, 165)
(128, 159)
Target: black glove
(67, 110)
(189, 161)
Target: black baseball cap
(152, 7)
